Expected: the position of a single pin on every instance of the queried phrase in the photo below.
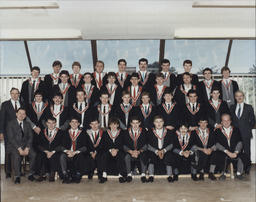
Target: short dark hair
(104, 92)
(160, 75)
(125, 92)
(165, 61)
(183, 124)
(135, 118)
(14, 89)
(135, 74)
(113, 120)
(58, 94)
(122, 60)
(93, 119)
(100, 61)
(224, 69)
(187, 62)
(186, 73)
(143, 60)
(207, 69)
(21, 108)
(80, 90)
(38, 92)
(56, 63)
(51, 118)
(145, 93)
(203, 118)
(76, 64)
(74, 118)
(35, 68)
(64, 72)
(192, 91)
(168, 90)
(88, 73)
(214, 89)
(111, 74)
(158, 117)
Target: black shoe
(143, 179)
(8, 175)
(66, 179)
(41, 178)
(103, 180)
(212, 177)
(17, 180)
(170, 179)
(129, 179)
(151, 179)
(122, 179)
(194, 177)
(52, 177)
(239, 177)
(201, 176)
(31, 178)
(175, 177)
(222, 177)
(90, 175)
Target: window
(43, 53)
(203, 53)
(111, 51)
(13, 58)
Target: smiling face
(57, 100)
(80, 96)
(187, 79)
(134, 81)
(159, 123)
(104, 99)
(168, 97)
(159, 81)
(143, 66)
(203, 124)
(215, 95)
(111, 79)
(99, 67)
(145, 99)
(56, 69)
(87, 78)
(225, 120)
(192, 97)
(165, 67)
(74, 124)
(64, 78)
(126, 98)
(21, 114)
(76, 69)
(225, 74)
(239, 96)
(207, 75)
(35, 74)
(94, 125)
(38, 98)
(113, 126)
(183, 130)
(135, 124)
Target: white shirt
(215, 102)
(226, 80)
(227, 131)
(136, 90)
(208, 90)
(20, 122)
(143, 74)
(113, 134)
(122, 73)
(165, 74)
(63, 86)
(102, 116)
(93, 135)
(56, 110)
(145, 106)
(36, 81)
(159, 132)
(191, 105)
(187, 87)
(17, 103)
(237, 108)
(39, 106)
(55, 81)
(51, 132)
(72, 131)
(160, 89)
(112, 96)
(82, 115)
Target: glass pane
(242, 56)
(203, 53)
(43, 53)
(13, 58)
(131, 50)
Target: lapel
(11, 106)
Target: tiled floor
(160, 191)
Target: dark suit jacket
(246, 121)
(48, 85)
(203, 98)
(14, 133)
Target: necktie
(15, 106)
(165, 74)
(135, 142)
(111, 88)
(193, 107)
(168, 106)
(203, 135)
(81, 107)
(95, 137)
(38, 107)
(100, 80)
(134, 92)
(75, 80)
(143, 76)
(74, 142)
(239, 111)
(104, 116)
(33, 86)
(63, 86)
(122, 77)
(146, 109)
(183, 141)
(22, 132)
(50, 135)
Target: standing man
(123, 78)
(76, 78)
(169, 77)
(99, 75)
(244, 119)
(8, 113)
(20, 138)
(187, 65)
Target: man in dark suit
(99, 77)
(228, 87)
(147, 79)
(30, 86)
(205, 86)
(76, 79)
(20, 138)
(53, 78)
(243, 118)
(8, 113)
(169, 77)
(187, 65)
(123, 78)
(67, 90)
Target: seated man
(205, 146)
(97, 150)
(230, 148)
(20, 138)
(160, 146)
(135, 146)
(48, 143)
(183, 143)
(73, 157)
(135, 89)
(113, 141)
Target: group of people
(124, 123)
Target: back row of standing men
(179, 100)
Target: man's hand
(186, 154)
(233, 155)
(49, 154)
(21, 151)
(161, 154)
(114, 152)
(93, 154)
(217, 126)
(37, 130)
(71, 154)
(193, 128)
(26, 151)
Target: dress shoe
(194, 177)
(41, 178)
(239, 177)
(17, 180)
(66, 179)
(52, 177)
(8, 175)
(31, 178)
(102, 180)
(129, 179)
(212, 177)
(151, 179)
(201, 176)
(143, 179)
(170, 179)
(222, 177)
(90, 175)
(122, 179)
(175, 177)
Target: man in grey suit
(20, 138)
(243, 118)
(8, 113)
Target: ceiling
(127, 19)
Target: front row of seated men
(75, 152)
